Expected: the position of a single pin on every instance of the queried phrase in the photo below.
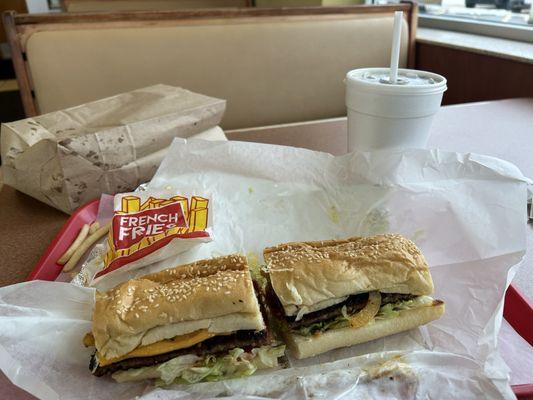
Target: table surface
(499, 128)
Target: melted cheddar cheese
(161, 347)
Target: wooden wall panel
(475, 77)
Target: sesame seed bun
(308, 274)
(215, 294)
(303, 347)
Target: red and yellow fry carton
(149, 227)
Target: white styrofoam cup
(385, 115)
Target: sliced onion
(368, 313)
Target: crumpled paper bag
(67, 158)
(466, 211)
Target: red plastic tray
(518, 310)
(47, 269)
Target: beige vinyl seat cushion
(269, 70)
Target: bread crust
(204, 290)
(306, 273)
(304, 347)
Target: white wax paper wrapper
(517, 353)
(466, 212)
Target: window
(511, 19)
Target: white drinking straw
(395, 51)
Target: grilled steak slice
(214, 345)
(387, 298)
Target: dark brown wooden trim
(112, 16)
(412, 21)
(66, 3)
(23, 80)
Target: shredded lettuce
(163, 371)
(387, 311)
(342, 321)
(191, 369)
(390, 310)
(258, 271)
(267, 357)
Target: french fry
(131, 204)
(94, 227)
(87, 243)
(147, 203)
(156, 203)
(84, 231)
(198, 219)
(184, 201)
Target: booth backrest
(272, 66)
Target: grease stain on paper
(375, 222)
(334, 215)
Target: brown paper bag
(67, 158)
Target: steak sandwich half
(337, 293)
(196, 322)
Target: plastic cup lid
(410, 81)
